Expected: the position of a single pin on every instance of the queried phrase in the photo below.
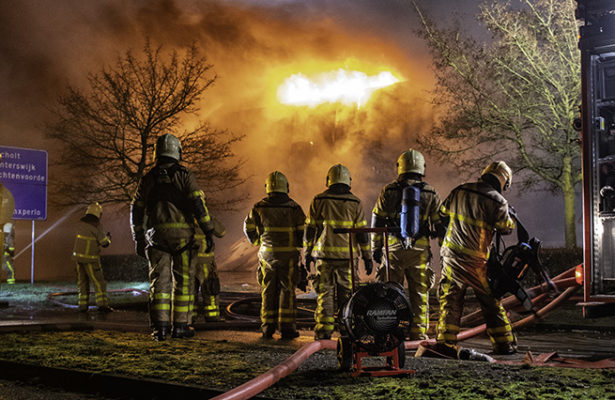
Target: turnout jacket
(275, 224)
(335, 208)
(88, 241)
(476, 211)
(165, 204)
(387, 212)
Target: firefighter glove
(11, 252)
(377, 256)
(369, 265)
(109, 235)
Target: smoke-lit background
(254, 46)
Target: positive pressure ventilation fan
(377, 317)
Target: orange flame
(343, 86)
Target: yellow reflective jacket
(476, 211)
(169, 196)
(334, 209)
(388, 208)
(88, 241)
(276, 224)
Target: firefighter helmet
(168, 145)
(94, 209)
(411, 161)
(338, 174)
(501, 171)
(276, 182)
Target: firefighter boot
(182, 330)
(503, 349)
(160, 332)
(289, 334)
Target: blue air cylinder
(410, 202)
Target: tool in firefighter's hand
(350, 231)
(506, 270)
(303, 278)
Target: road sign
(24, 173)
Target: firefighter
(9, 252)
(163, 209)
(336, 207)
(476, 211)
(206, 280)
(412, 262)
(276, 224)
(86, 252)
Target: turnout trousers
(91, 273)
(333, 285)
(7, 266)
(171, 290)
(277, 277)
(209, 306)
(413, 266)
(452, 289)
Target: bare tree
(513, 98)
(108, 132)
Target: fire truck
(597, 45)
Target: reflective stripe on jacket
(476, 211)
(275, 224)
(88, 241)
(388, 208)
(327, 212)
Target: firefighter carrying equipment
(86, 253)
(334, 208)
(338, 174)
(411, 161)
(168, 146)
(476, 211)
(501, 171)
(276, 225)
(506, 270)
(8, 231)
(207, 281)
(408, 261)
(169, 196)
(276, 182)
(94, 209)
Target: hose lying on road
(269, 378)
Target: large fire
(341, 86)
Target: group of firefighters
(174, 230)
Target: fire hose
(285, 368)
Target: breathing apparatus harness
(506, 270)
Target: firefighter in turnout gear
(410, 263)
(86, 252)
(166, 203)
(276, 224)
(476, 211)
(336, 207)
(206, 280)
(9, 252)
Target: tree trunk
(570, 232)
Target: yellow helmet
(501, 171)
(338, 174)
(94, 209)
(276, 182)
(169, 146)
(411, 161)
